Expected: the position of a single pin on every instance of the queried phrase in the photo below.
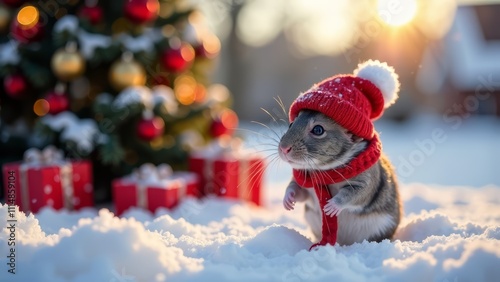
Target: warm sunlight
(397, 12)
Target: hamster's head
(314, 141)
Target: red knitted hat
(353, 101)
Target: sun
(397, 12)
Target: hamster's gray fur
(368, 205)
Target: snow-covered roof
(470, 55)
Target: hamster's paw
(331, 208)
(289, 200)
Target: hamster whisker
(344, 178)
(320, 173)
(316, 173)
(269, 154)
(324, 176)
(323, 173)
(316, 180)
(278, 137)
(278, 118)
(260, 134)
(281, 104)
(250, 179)
(267, 150)
(273, 160)
(269, 114)
(264, 146)
(307, 162)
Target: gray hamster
(368, 205)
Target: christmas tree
(122, 83)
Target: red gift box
(151, 189)
(228, 171)
(45, 179)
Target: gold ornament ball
(125, 73)
(4, 17)
(67, 65)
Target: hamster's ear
(353, 137)
(383, 76)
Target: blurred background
(444, 127)
(442, 50)
(128, 82)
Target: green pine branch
(111, 152)
(45, 133)
(37, 75)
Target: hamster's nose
(286, 150)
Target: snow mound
(276, 241)
(454, 235)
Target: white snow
(133, 95)
(67, 23)
(473, 56)
(163, 94)
(144, 42)
(60, 121)
(449, 232)
(81, 131)
(8, 53)
(89, 42)
(159, 94)
(104, 98)
(136, 44)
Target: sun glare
(397, 12)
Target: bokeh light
(319, 27)
(397, 12)
(185, 89)
(200, 93)
(229, 119)
(434, 18)
(41, 107)
(218, 93)
(260, 21)
(153, 6)
(28, 17)
(187, 52)
(211, 46)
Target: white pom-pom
(383, 76)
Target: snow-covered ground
(450, 232)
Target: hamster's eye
(318, 130)
(290, 124)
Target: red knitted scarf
(320, 179)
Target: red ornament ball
(141, 11)
(32, 34)
(15, 85)
(149, 129)
(92, 14)
(224, 124)
(57, 102)
(177, 60)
